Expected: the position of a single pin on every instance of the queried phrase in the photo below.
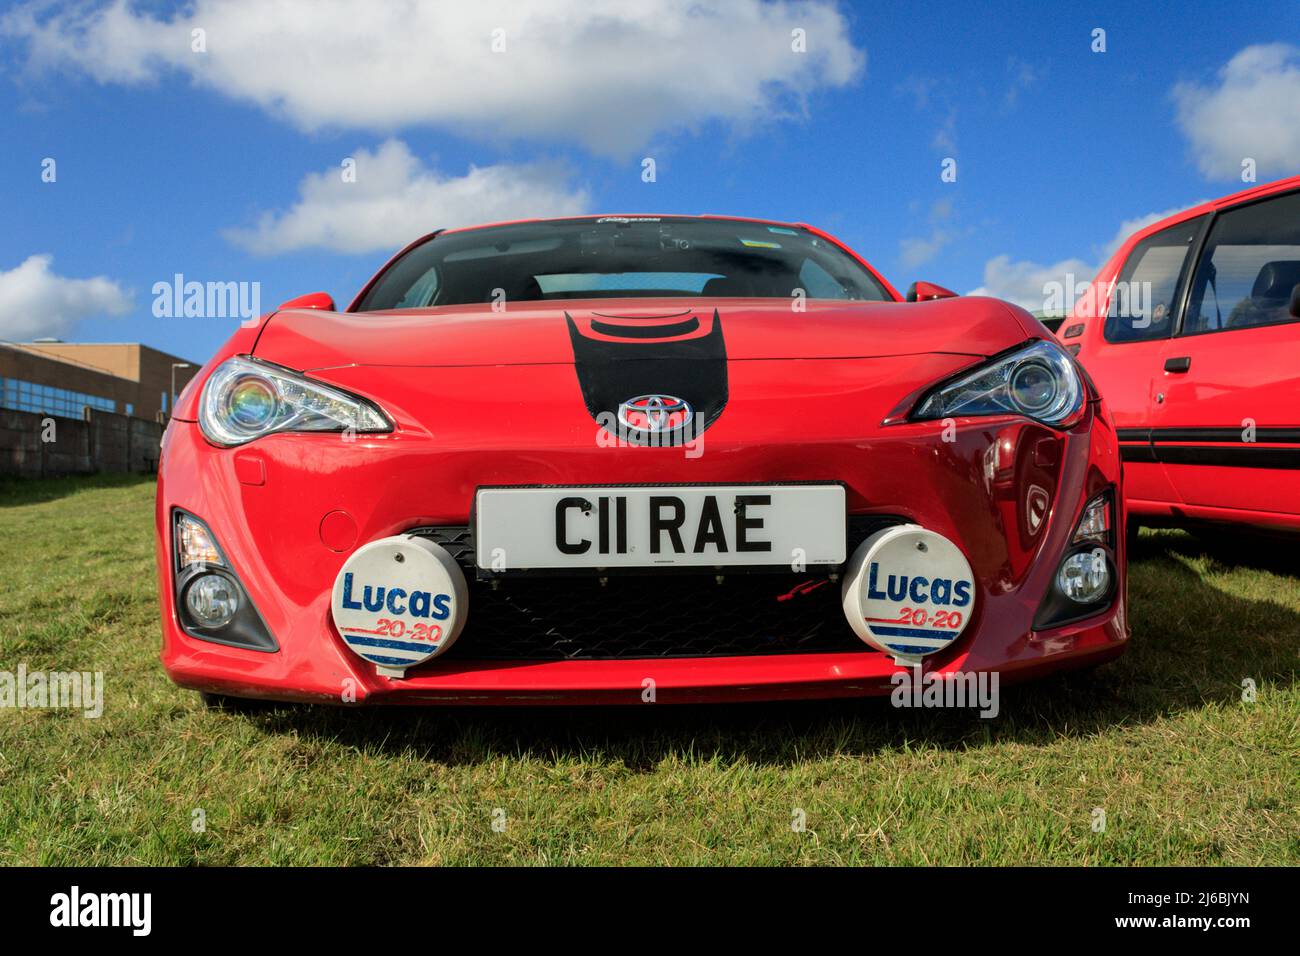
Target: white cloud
(1253, 112)
(1023, 76)
(395, 198)
(604, 73)
(1024, 282)
(945, 137)
(916, 251)
(36, 302)
(919, 88)
(1028, 283)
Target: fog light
(212, 600)
(1084, 577)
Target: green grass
(1186, 771)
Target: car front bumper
(288, 509)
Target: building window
(130, 408)
(25, 396)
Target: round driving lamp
(212, 600)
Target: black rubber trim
(1222, 447)
(1142, 453)
(1242, 456)
(1229, 435)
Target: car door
(1123, 360)
(1227, 420)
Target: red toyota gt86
(633, 458)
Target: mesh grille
(654, 615)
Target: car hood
(566, 333)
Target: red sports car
(635, 458)
(1191, 332)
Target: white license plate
(659, 525)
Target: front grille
(535, 617)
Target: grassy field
(1186, 771)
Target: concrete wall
(106, 443)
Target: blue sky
(169, 159)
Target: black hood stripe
(612, 372)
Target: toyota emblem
(654, 414)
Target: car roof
(629, 215)
(1245, 195)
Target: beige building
(63, 378)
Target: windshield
(621, 257)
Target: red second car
(1192, 333)
(635, 458)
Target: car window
(621, 257)
(1248, 269)
(421, 292)
(818, 283)
(1142, 302)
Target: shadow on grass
(1193, 644)
(33, 491)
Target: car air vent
(665, 315)
(639, 331)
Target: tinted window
(620, 258)
(817, 282)
(1250, 265)
(1142, 302)
(27, 396)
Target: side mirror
(312, 300)
(1295, 301)
(925, 291)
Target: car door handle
(1180, 364)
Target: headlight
(246, 399)
(1038, 381)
